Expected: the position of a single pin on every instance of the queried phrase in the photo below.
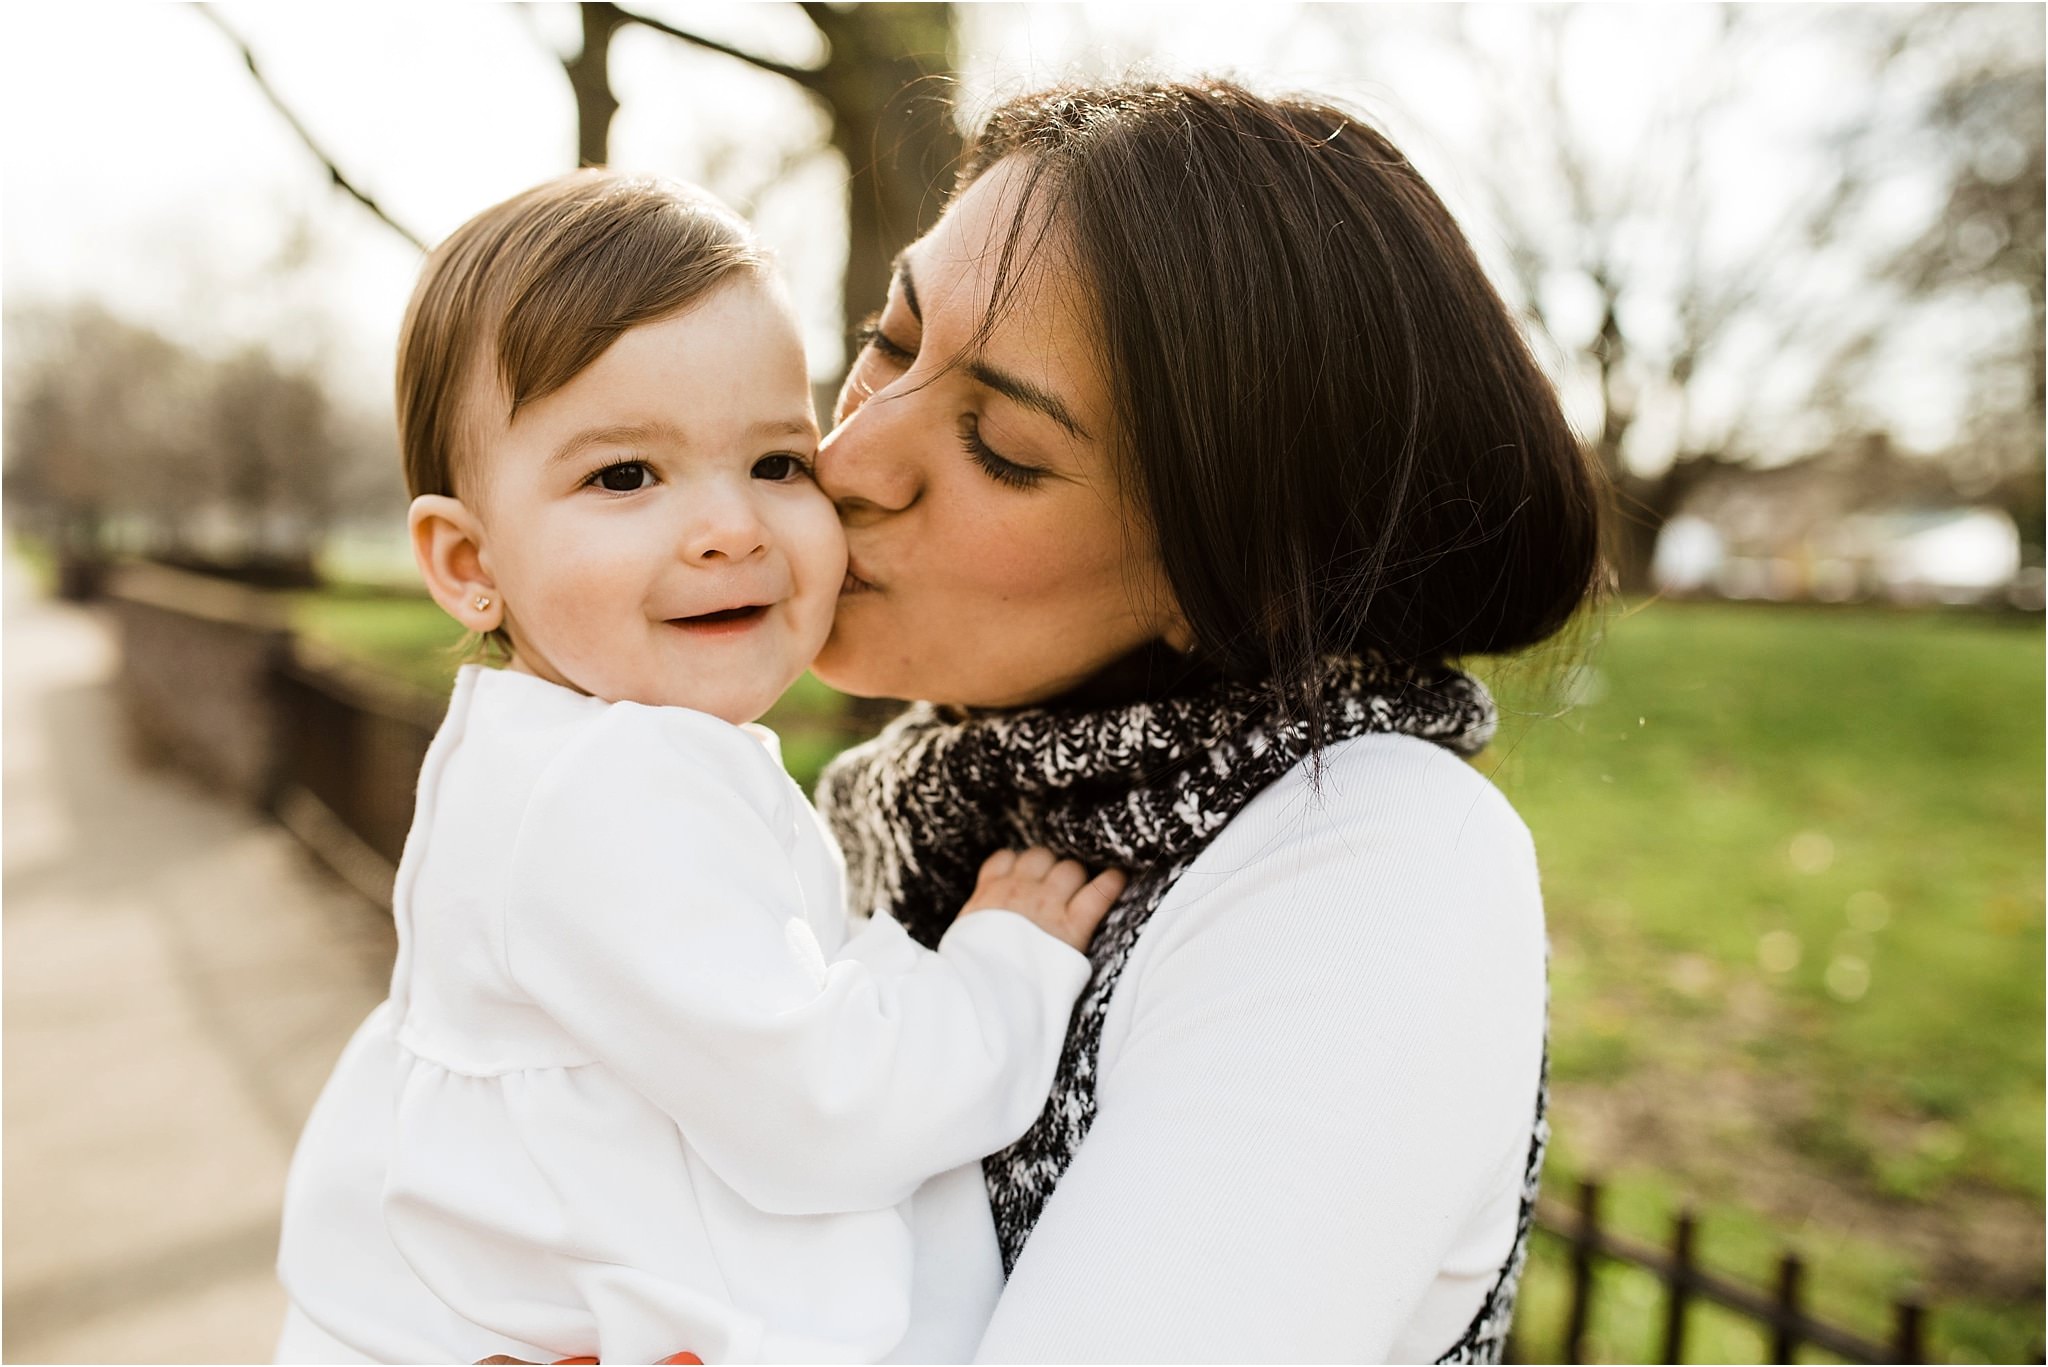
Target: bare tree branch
(807, 77)
(334, 172)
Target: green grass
(1793, 867)
(36, 556)
(1793, 872)
(1862, 789)
(407, 637)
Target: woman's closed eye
(995, 466)
(874, 344)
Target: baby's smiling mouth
(723, 620)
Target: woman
(1190, 448)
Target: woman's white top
(1318, 1086)
(635, 1090)
(1318, 1081)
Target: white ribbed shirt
(1317, 1086)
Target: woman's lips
(854, 582)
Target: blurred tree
(885, 88)
(1984, 127)
(118, 437)
(884, 85)
(275, 458)
(94, 430)
(1696, 347)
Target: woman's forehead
(969, 272)
(996, 231)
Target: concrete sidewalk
(178, 978)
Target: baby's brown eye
(622, 478)
(780, 466)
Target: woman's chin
(845, 668)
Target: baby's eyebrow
(618, 434)
(646, 433)
(783, 427)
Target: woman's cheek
(1044, 555)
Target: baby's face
(653, 528)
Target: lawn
(1793, 870)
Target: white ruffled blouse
(635, 1090)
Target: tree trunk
(1635, 519)
(1642, 505)
(887, 85)
(590, 77)
(889, 89)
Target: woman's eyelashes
(1002, 471)
(870, 337)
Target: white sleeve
(1329, 1050)
(656, 917)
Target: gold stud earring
(482, 602)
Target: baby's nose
(725, 528)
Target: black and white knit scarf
(1144, 787)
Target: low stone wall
(198, 661)
(354, 741)
(213, 681)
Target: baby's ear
(448, 546)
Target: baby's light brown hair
(522, 298)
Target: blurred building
(1858, 525)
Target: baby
(640, 1089)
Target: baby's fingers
(1035, 861)
(1097, 896)
(1064, 879)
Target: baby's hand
(1056, 895)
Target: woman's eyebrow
(1001, 381)
(901, 267)
(1028, 394)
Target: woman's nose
(725, 526)
(866, 464)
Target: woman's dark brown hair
(1339, 431)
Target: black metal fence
(1779, 1310)
(350, 743)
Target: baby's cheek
(817, 555)
(817, 544)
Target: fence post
(1784, 1333)
(1906, 1331)
(1582, 1271)
(1778, 1311)
(1681, 1288)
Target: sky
(141, 164)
